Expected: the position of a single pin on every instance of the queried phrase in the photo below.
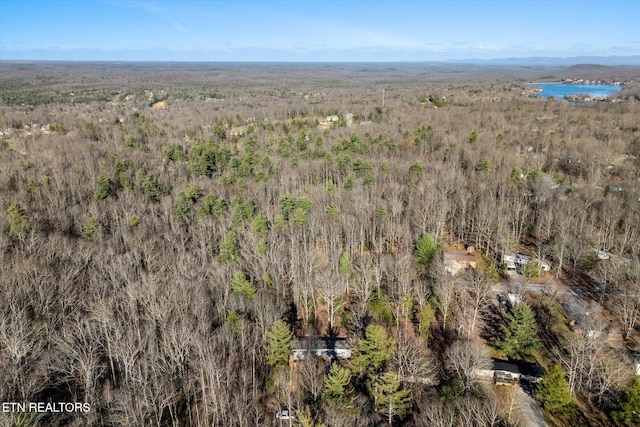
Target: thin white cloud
(361, 38)
(178, 26)
(145, 5)
(159, 13)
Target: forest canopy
(175, 239)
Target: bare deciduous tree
(627, 301)
(464, 359)
(311, 372)
(81, 358)
(368, 276)
(480, 293)
(331, 288)
(413, 362)
(592, 367)
(443, 290)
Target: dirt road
(530, 408)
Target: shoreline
(575, 84)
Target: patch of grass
(381, 308)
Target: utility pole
(382, 98)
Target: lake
(560, 90)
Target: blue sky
(329, 30)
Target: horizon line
(329, 61)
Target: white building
(509, 258)
(331, 348)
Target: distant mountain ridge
(537, 61)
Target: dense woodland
(168, 231)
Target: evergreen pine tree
(520, 335)
(389, 398)
(374, 351)
(259, 225)
(345, 265)
(18, 221)
(531, 268)
(627, 410)
(228, 248)
(240, 285)
(91, 229)
(104, 186)
(554, 394)
(426, 249)
(336, 387)
(279, 342)
(306, 419)
(182, 206)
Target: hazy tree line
(159, 267)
